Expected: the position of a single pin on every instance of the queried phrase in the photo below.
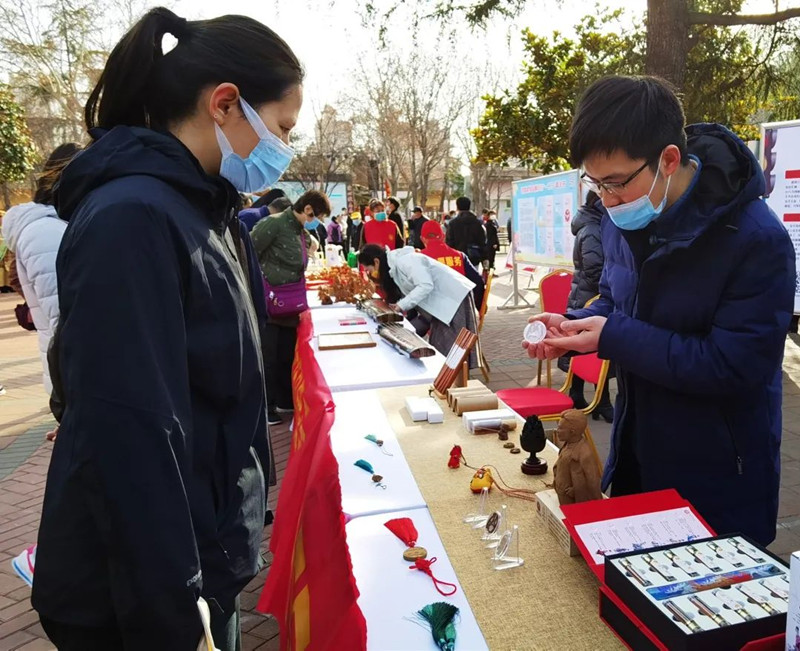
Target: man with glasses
(695, 298)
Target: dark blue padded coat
(697, 334)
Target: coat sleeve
(123, 352)
(479, 236)
(450, 234)
(263, 235)
(398, 238)
(743, 348)
(603, 306)
(40, 253)
(474, 275)
(592, 257)
(420, 277)
(492, 237)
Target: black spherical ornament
(533, 441)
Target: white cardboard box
(417, 409)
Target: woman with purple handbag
(283, 246)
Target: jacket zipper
(739, 464)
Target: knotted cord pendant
(405, 530)
(424, 566)
(374, 439)
(366, 465)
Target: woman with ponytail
(155, 495)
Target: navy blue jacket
(587, 255)
(251, 216)
(155, 493)
(698, 336)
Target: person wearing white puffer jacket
(33, 232)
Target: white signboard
(781, 160)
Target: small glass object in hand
(535, 332)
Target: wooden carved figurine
(577, 478)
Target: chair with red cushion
(549, 404)
(554, 291)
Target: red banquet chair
(549, 404)
(554, 291)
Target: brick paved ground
(24, 459)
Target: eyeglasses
(611, 188)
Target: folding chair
(554, 291)
(548, 404)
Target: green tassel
(365, 465)
(373, 439)
(440, 616)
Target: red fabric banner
(310, 587)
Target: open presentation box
(624, 526)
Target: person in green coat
(283, 258)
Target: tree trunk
(667, 40)
(6, 196)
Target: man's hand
(581, 335)
(545, 350)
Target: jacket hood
(400, 253)
(136, 151)
(729, 176)
(19, 217)
(586, 215)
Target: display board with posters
(780, 144)
(542, 212)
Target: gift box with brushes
(716, 593)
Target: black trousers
(225, 628)
(278, 345)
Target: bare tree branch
(700, 18)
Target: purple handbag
(289, 299)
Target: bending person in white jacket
(414, 280)
(33, 232)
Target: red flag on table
(310, 587)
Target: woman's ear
(221, 100)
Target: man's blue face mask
(635, 215)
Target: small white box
(471, 416)
(417, 408)
(435, 413)
(793, 614)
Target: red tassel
(424, 565)
(455, 457)
(404, 529)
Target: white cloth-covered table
(391, 593)
(359, 413)
(367, 368)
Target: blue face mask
(312, 225)
(380, 216)
(357, 222)
(635, 215)
(266, 163)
